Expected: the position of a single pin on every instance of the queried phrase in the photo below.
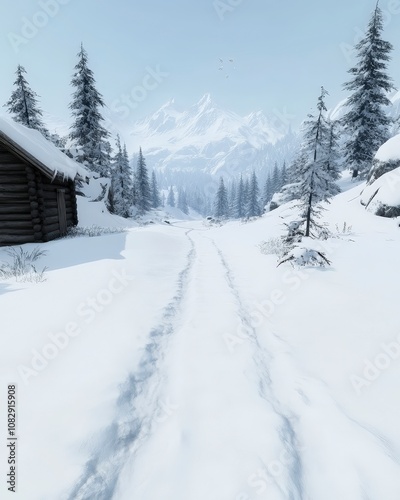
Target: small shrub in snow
(210, 222)
(295, 232)
(22, 266)
(344, 230)
(301, 256)
(323, 233)
(93, 231)
(246, 220)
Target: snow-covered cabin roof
(33, 147)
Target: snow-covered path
(219, 409)
(213, 374)
(210, 410)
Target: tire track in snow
(140, 392)
(294, 487)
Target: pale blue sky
(283, 50)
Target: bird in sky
(221, 67)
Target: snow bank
(95, 213)
(386, 159)
(382, 197)
(35, 144)
(382, 194)
(176, 214)
(284, 196)
(390, 151)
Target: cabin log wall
(28, 202)
(15, 208)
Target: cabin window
(62, 211)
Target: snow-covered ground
(177, 361)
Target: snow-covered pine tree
(155, 193)
(129, 175)
(115, 195)
(276, 179)
(284, 175)
(221, 205)
(142, 186)
(232, 199)
(182, 201)
(57, 140)
(332, 159)
(23, 104)
(366, 122)
(240, 202)
(296, 165)
(171, 197)
(87, 130)
(267, 193)
(246, 192)
(121, 182)
(316, 183)
(253, 204)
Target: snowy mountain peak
(205, 104)
(258, 119)
(205, 100)
(205, 137)
(169, 104)
(255, 115)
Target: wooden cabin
(37, 187)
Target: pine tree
(240, 203)
(155, 193)
(57, 140)
(142, 186)
(276, 179)
(284, 176)
(221, 206)
(87, 130)
(267, 194)
(316, 182)
(246, 192)
(115, 193)
(253, 205)
(23, 104)
(366, 122)
(121, 182)
(296, 165)
(171, 197)
(182, 201)
(331, 161)
(232, 199)
(129, 174)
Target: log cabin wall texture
(28, 202)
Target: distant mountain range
(206, 138)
